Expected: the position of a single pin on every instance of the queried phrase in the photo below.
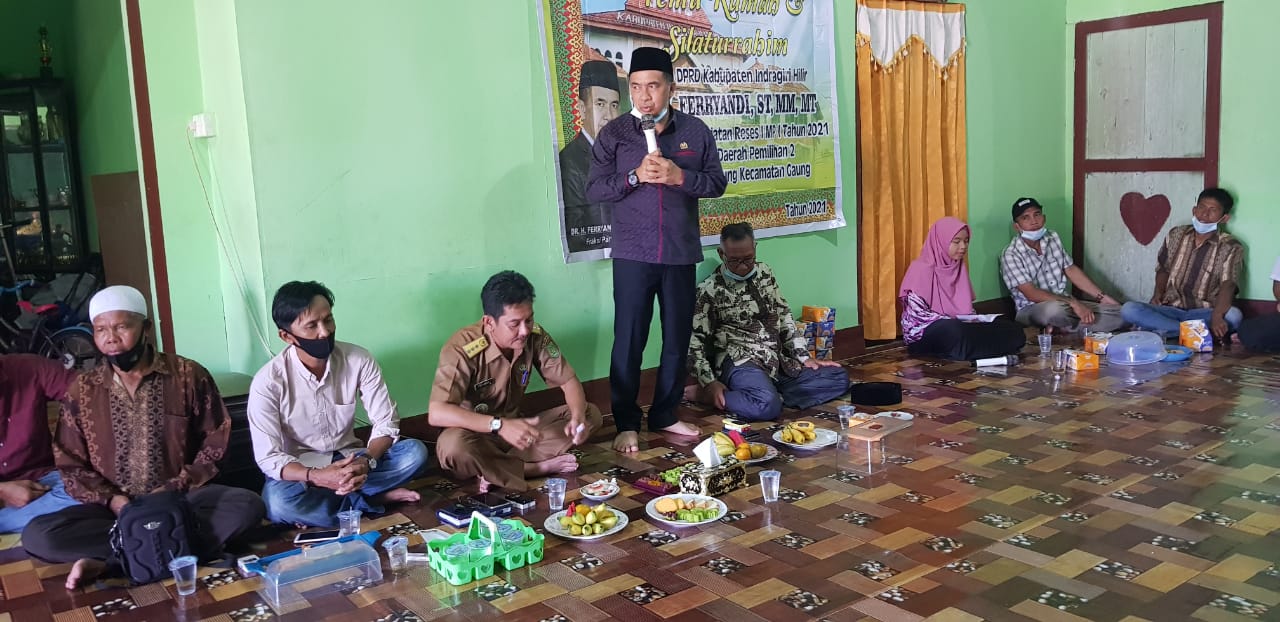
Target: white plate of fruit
(686, 510)
(583, 522)
(600, 490)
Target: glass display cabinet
(41, 207)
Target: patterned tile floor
(1123, 494)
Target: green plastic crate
(471, 556)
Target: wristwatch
(373, 464)
(495, 424)
(633, 180)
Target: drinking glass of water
(769, 483)
(184, 574)
(555, 493)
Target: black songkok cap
(601, 73)
(650, 59)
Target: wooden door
(1146, 137)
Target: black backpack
(151, 531)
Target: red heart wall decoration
(1144, 216)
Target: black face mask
(316, 348)
(129, 359)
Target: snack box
(1195, 334)
(729, 476)
(1097, 342)
(1080, 360)
(817, 314)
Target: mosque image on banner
(759, 73)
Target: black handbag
(151, 531)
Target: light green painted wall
(100, 82)
(195, 269)
(1249, 129)
(1016, 125)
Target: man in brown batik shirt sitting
(141, 422)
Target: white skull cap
(117, 298)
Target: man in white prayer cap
(141, 422)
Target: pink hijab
(935, 277)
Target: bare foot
(83, 571)
(682, 428)
(564, 463)
(626, 442)
(482, 485)
(401, 495)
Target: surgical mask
(732, 276)
(128, 359)
(658, 119)
(1203, 227)
(1034, 236)
(316, 348)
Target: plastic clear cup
(1059, 361)
(555, 493)
(846, 414)
(184, 574)
(397, 552)
(769, 482)
(1046, 343)
(348, 523)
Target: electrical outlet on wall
(202, 125)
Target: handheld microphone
(648, 125)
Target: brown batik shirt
(168, 435)
(1197, 273)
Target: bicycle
(72, 345)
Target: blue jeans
(300, 503)
(753, 396)
(12, 520)
(1165, 320)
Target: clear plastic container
(1135, 348)
(319, 570)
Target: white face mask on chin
(635, 112)
(1034, 236)
(1203, 227)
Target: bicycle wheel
(73, 347)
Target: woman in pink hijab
(937, 303)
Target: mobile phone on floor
(523, 503)
(316, 536)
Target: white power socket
(202, 125)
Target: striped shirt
(1046, 269)
(1196, 274)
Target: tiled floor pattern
(1126, 494)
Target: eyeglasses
(743, 262)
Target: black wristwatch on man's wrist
(633, 180)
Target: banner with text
(760, 73)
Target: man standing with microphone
(653, 165)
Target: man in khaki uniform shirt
(482, 376)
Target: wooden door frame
(151, 184)
(1208, 163)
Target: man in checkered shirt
(1036, 270)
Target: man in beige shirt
(302, 408)
(481, 379)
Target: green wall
(104, 109)
(1249, 126)
(20, 21)
(1016, 121)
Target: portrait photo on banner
(761, 75)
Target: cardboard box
(1195, 334)
(817, 314)
(1097, 342)
(697, 479)
(1080, 360)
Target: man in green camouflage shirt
(746, 353)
